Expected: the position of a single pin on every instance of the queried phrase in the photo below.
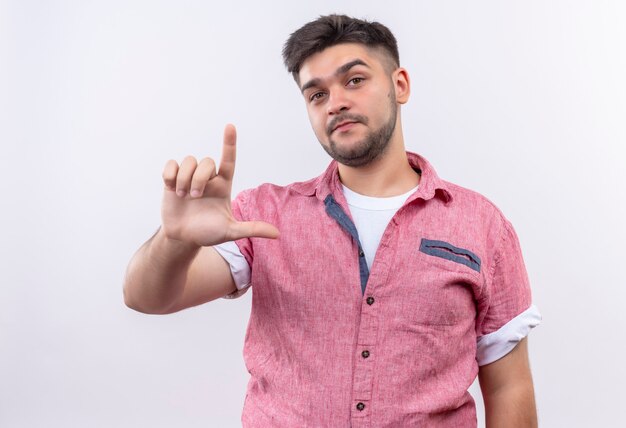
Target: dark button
(361, 253)
(365, 354)
(370, 300)
(360, 406)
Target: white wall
(523, 101)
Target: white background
(524, 102)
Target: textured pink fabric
(322, 354)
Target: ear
(402, 85)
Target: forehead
(325, 63)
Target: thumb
(249, 229)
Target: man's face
(351, 102)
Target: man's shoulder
(273, 202)
(298, 188)
(270, 194)
(303, 188)
(471, 201)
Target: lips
(343, 124)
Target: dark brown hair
(330, 30)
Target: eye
(355, 81)
(316, 96)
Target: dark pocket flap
(450, 252)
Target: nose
(338, 102)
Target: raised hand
(196, 201)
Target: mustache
(345, 117)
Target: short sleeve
(506, 314)
(239, 267)
(239, 253)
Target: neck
(388, 175)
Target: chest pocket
(443, 288)
(448, 251)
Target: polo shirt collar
(328, 183)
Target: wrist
(173, 245)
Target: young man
(387, 289)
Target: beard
(371, 147)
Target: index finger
(227, 164)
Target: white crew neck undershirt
(371, 216)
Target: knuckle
(189, 160)
(206, 166)
(170, 165)
(206, 169)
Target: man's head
(348, 72)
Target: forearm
(512, 406)
(508, 392)
(157, 273)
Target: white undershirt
(371, 216)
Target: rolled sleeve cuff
(239, 267)
(493, 346)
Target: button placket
(364, 363)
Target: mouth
(344, 126)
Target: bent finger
(170, 170)
(185, 172)
(204, 172)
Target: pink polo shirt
(331, 343)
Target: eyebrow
(341, 70)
